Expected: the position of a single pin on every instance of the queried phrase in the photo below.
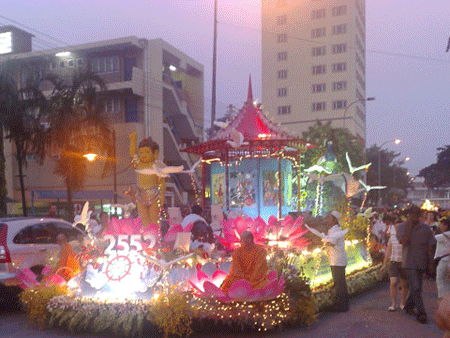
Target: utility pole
(213, 99)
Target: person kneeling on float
(248, 262)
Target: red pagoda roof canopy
(249, 133)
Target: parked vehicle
(29, 243)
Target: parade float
(138, 281)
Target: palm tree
(76, 126)
(21, 105)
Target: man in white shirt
(335, 246)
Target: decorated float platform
(138, 281)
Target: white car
(29, 243)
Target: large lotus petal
(227, 226)
(240, 225)
(271, 290)
(213, 290)
(300, 243)
(272, 275)
(218, 277)
(55, 280)
(299, 232)
(201, 276)
(281, 281)
(27, 277)
(188, 227)
(258, 228)
(273, 222)
(196, 286)
(240, 289)
(287, 221)
(171, 234)
(254, 295)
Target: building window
(282, 56)
(321, 69)
(284, 110)
(282, 38)
(318, 14)
(103, 65)
(339, 67)
(80, 62)
(319, 88)
(340, 48)
(340, 104)
(319, 51)
(319, 106)
(70, 63)
(339, 85)
(281, 20)
(282, 92)
(340, 10)
(282, 74)
(112, 105)
(61, 64)
(339, 29)
(318, 32)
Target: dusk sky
(408, 70)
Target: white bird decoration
(328, 178)
(355, 169)
(237, 139)
(317, 168)
(161, 171)
(221, 124)
(367, 214)
(84, 217)
(192, 170)
(368, 187)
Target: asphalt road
(368, 317)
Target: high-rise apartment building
(313, 63)
(152, 88)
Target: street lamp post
(396, 141)
(352, 103)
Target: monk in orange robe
(68, 264)
(249, 263)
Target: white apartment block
(313, 63)
(151, 87)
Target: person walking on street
(396, 272)
(417, 241)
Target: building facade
(152, 88)
(313, 63)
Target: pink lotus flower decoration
(285, 233)
(28, 278)
(241, 290)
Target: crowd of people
(417, 246)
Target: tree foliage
(342, 141)
(77, 126)
(22, 106)
(438, 174)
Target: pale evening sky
(408, 70)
